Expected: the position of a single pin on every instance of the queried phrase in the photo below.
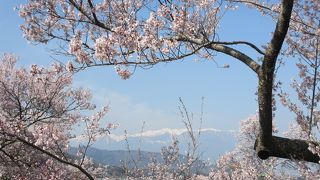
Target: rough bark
(294, 149)
(266, 76)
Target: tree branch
(55, 157)
(92, 11)
(94, 20)
(146, 63)
(254, 4)
(291, 149)
(216, 46)
(242, 42)
(238, 55)
(280, 33)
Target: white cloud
(131, 115)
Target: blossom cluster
(39, 109)
(118, 32)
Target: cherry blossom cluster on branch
(145, 32)
(122, 33)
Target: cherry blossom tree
(241, 162)
(39, 109)
(139, 33)
(307, 89)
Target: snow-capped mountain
(212, 142)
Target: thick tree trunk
(267, 145)
(264, 138)
(294, 149)
(266, 76)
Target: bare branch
(226, 50)
(242, 42)
(94, 20)
(54, 156)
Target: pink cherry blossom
(39, 110)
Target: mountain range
(212, 142)
(119, 152)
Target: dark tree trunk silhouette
(267, 145)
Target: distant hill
(117, 160)
(113, 151)
(119, 157)
(212, 143)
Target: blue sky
(152, 95)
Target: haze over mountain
(212, 142)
